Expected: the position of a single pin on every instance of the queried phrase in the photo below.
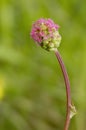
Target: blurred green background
(32, 90)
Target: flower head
(45, 33)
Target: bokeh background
(32, 90)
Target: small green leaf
(72, 111)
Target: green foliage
(34, 91)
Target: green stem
(67, 84)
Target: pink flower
(45, 33)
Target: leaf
(72, 111)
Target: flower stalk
(67, 84)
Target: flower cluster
(45, 33)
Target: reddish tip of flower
(43, 28)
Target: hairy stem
(67, 84)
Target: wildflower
(45, 33)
